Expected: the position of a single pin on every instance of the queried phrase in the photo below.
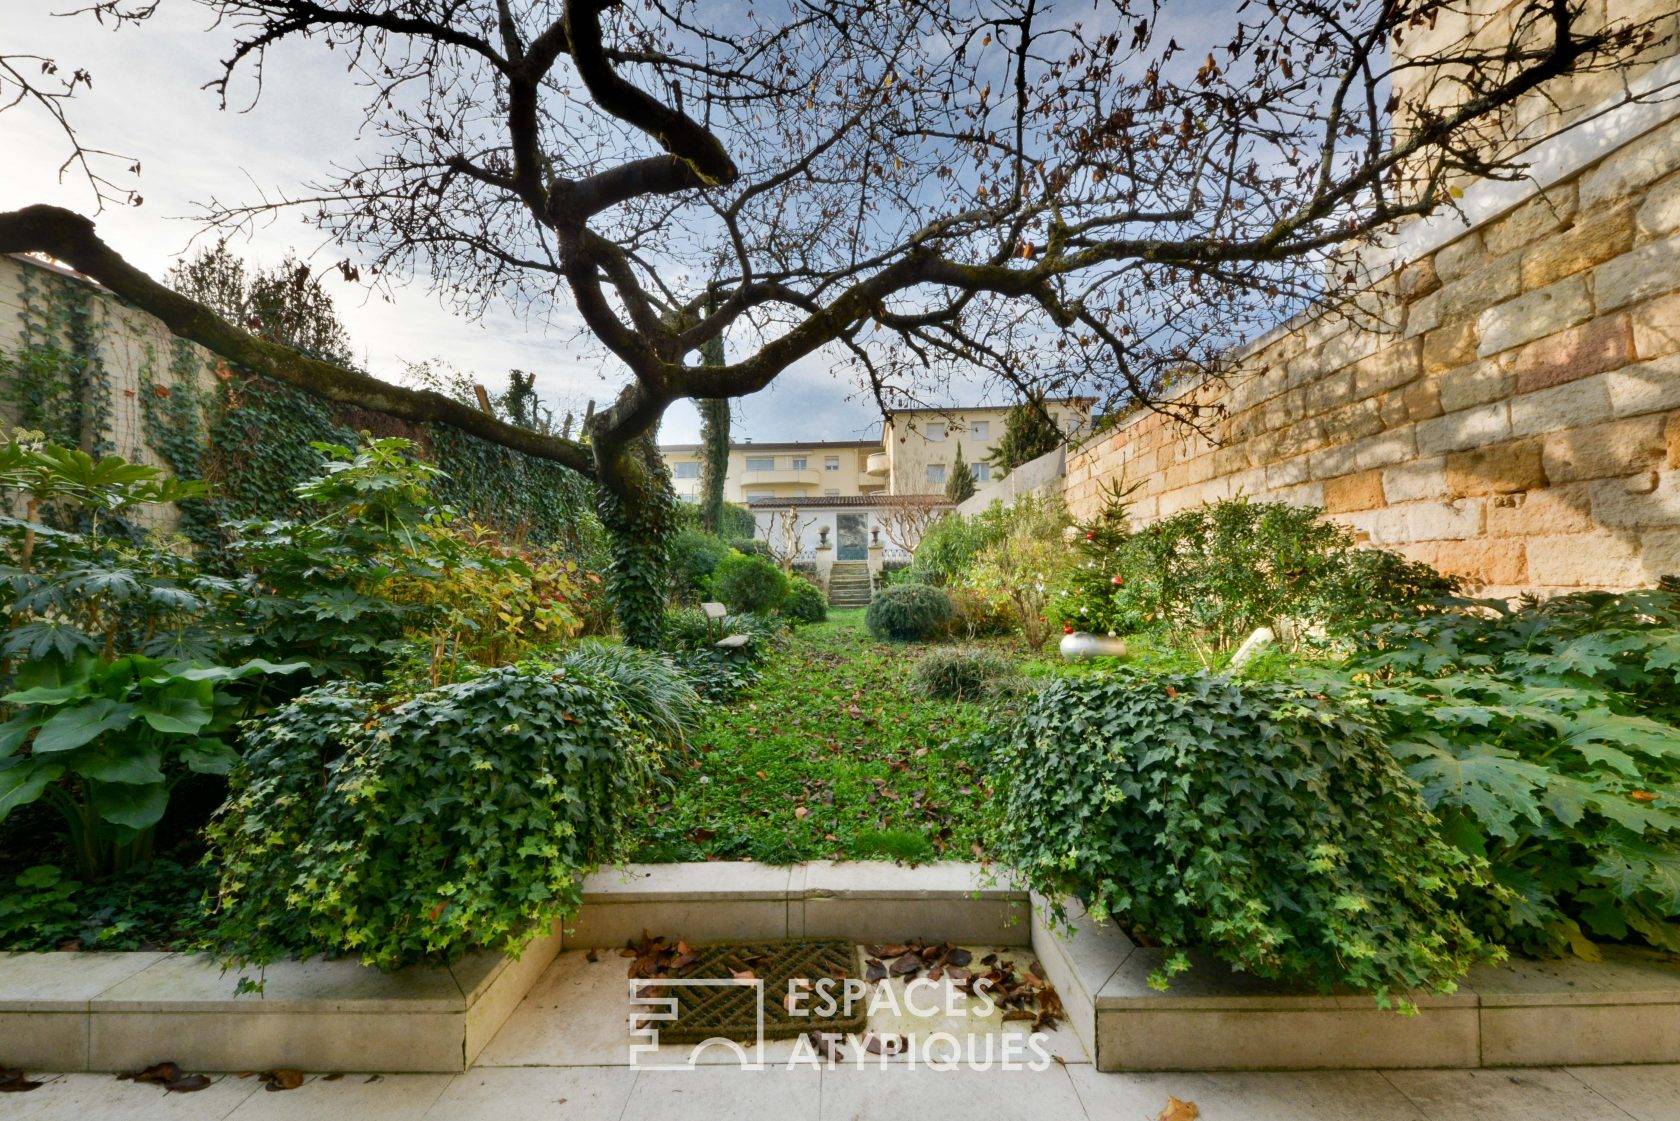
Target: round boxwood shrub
(749, 585)
(909, 613)
(1264, 820)
(804, 602)
(695, 555)
(463, 819)
(960, 675)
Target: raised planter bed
(123, 1011)
(1625, 1009)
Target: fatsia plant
(1547, 738)
(111, 652)
(105, 742)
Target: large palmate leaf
(70, 728)
(107, 763)
(1496, 787)
(1637, 867)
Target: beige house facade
(914, 455)
(814, 469)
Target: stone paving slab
(1076, 1092)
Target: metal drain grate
(731, 1011)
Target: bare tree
(1056, 197)
(905, 518)
(785, 535)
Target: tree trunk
(638, 509)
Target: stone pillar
(877, 559)
(825, 564)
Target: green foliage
(949, 547)
(1028, 432)
(463, 819)
(125, 729)
(378, 566)
(751, 546)
(804, 602)
(1548, 739)
(648, 686)
(694, 557)
(749, 584)
(1016, 575)
(1205, 811)
(909, 613)
(960, 486)
(640, 515)
(160, 905)
(961, 675)
(111, 649)
(737, 524)
(1212, 575)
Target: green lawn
(831, 755)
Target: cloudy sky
(146, 102)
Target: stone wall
(1508, 409)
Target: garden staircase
(848, 584)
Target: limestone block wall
(1509, 411)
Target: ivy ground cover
(831, 755)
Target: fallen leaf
(592, 957)
(13, 1082)
(277, 1080)
(190, 1084)
(1178, 1111)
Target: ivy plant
(465, 818)
(1203, 810)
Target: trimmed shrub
(694, 557)
(1265, 821)
(751, 546)
(461, 820)
(804, 602)
(749, 585)
(909, 613)
(960, 675)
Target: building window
(981, 430)
(799, 463)
(936, 433)
(752, 494)
(831, 463)
(763, 463)
(936, 473)
(835, 491)
(688, 470)
(982, 472)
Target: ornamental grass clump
(1258, 820)
(463, 819)
(963, 675)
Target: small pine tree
(959, 487)
(1028, 432)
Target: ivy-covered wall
(91, 372)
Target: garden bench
(715, 613)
